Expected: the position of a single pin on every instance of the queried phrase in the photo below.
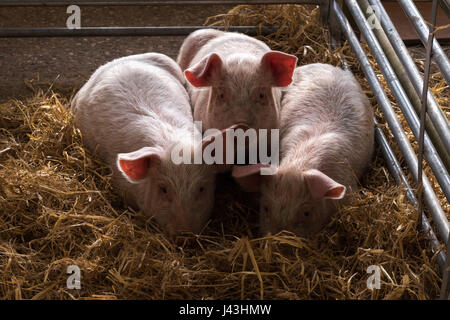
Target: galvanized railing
(409, 88)
(139, 31)
(406, 84)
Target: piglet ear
(199, 75)
(135, 165)
(281, 65)
(249, 176)
(322, 186)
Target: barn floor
(68, 62)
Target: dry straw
(57, 208)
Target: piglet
(133, 112)
(326, 143)
(234, 78)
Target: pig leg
(193, 43)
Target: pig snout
(183, 222)
(179, 224)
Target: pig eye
(306, 213)
(201, 189)
(266, 209)
(222, 96)
(163, 189)
(261, 96)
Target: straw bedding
(58, 209)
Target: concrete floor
(68, 62)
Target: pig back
(326, 108)
(130, 103)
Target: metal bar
(422, 30)
(333, 26)
(161, 31)
(324, 4)
(393, 164)
(434, 112)
(411, 117)
(445, 5)
(423, 110)
(22, 3)
(432, 202)
(400, 178)
(122, 31)
(403, 77)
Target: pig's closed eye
(163, 189)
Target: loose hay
(58, 209)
